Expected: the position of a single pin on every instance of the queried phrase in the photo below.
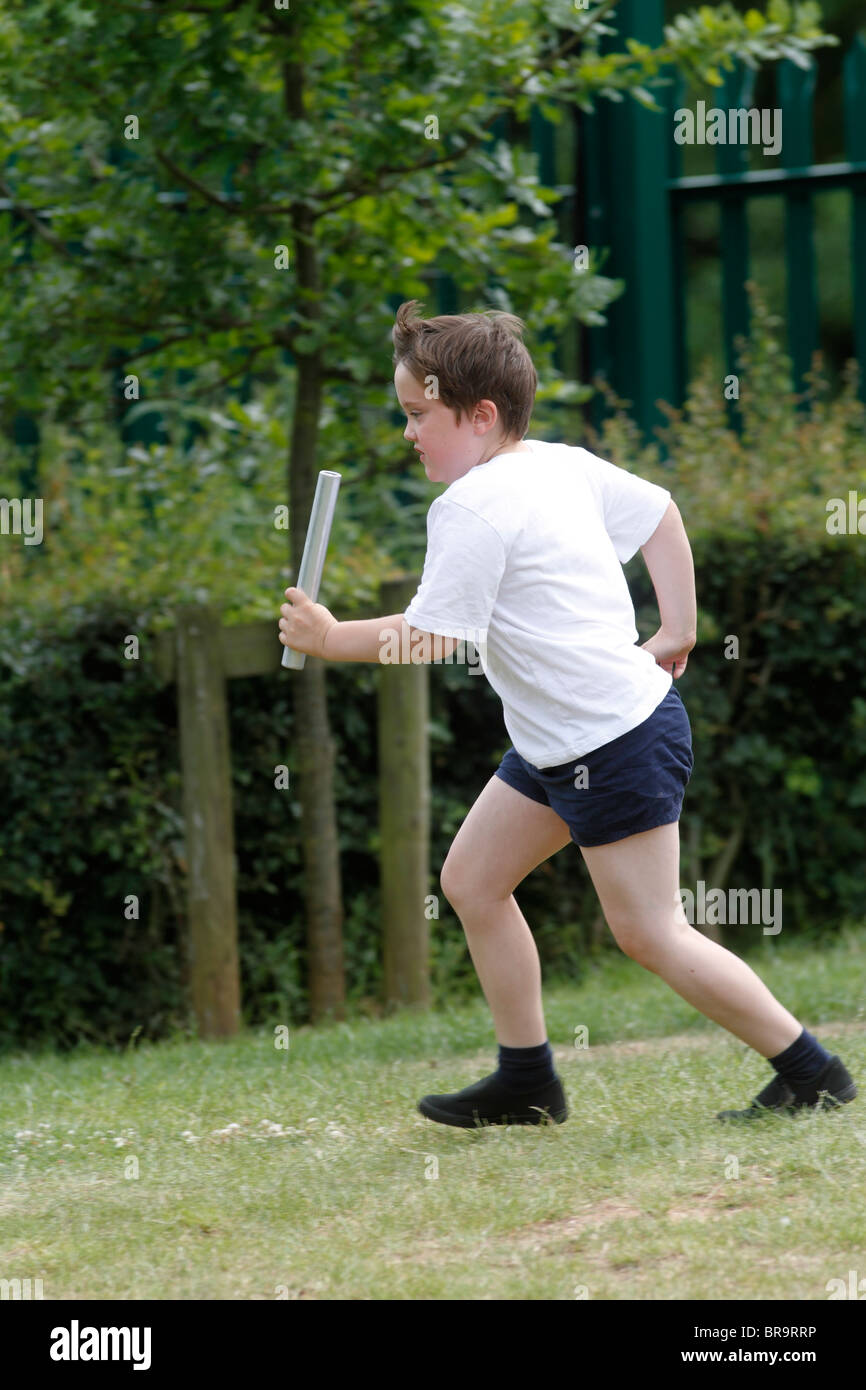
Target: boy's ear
(489, 410)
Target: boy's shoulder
(557, 449)
(504, 491)
(518, 472)
(574, 453)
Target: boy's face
(448, 450)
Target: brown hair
(473, 357)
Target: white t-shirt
(524, 560)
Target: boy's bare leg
(637, 881)
(503, 838)
(506, 835)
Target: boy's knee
(639, 946)
(464, 888)
(450, 883)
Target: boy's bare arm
(309, 627)
(668, 558)
(391, 639)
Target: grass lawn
(240, 1170)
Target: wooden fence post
(404, 817)
(207, 806)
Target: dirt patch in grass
(553, 1235)
(706, 1206)
(560, 1229)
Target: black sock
(526, 1068)
(802, 1061)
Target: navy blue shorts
(634, 783)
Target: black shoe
(832, 1088)
(489, 1102)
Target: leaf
(645, 98)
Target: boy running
(525, 549)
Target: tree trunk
(404, 816)
(314, 755)
(314, 745)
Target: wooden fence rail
(202, 656)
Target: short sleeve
(632, 507)
(462, 572)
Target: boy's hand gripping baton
(315, 548)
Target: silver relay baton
(315, 549)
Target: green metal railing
(633, 199)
